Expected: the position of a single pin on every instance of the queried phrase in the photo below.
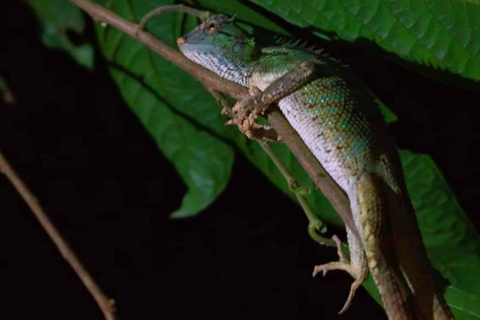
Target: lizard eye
(212, 26)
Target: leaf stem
(203, 15)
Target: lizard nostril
(181, 41)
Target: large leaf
(169, 104)
(452, 242)
(61, 23)
(441, 33)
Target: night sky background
(109, 190)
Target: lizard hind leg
(357, 267)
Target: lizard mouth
(186, 45)
(186, 42)
(181, 41)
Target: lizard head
(220, 45)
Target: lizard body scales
(344, 129)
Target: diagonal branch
(213, 82)
(314, 223)
(106, 305)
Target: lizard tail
(412, 258)
(371, 205)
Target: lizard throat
(214, 59)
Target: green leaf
(171, 105)
(58, 18)
(387, 113)
(442, 34)
(452, 242)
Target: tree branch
(213, 82)
(105, 304)
(314, 223)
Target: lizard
(342, 126)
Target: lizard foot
(247, 111)
(344, 265)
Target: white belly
(310, 131)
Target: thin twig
(106, 305)
(213, 82)
(314, 223)
(203, 15)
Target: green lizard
(342, 126)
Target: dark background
(109, 190)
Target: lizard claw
(318, 269)
(243, 108)
(231, 122)
(225, 112)
(351, 294)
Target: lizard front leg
(247, 111)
